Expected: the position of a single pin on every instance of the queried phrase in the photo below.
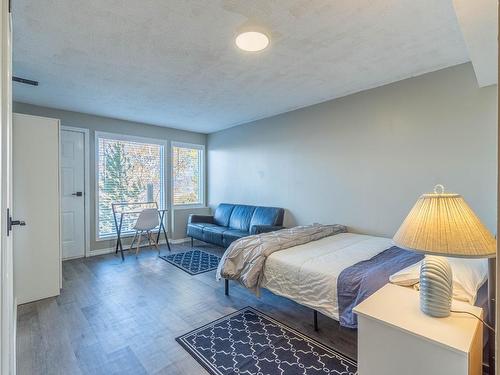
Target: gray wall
(97, 123)
(364, 159)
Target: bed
(330, 275)
(318, 265)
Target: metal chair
(147, 221)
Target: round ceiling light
(252, 41)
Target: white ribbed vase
(436, 286)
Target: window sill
(113, 237)
(188, 206)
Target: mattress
(308, 273)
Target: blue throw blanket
(358, 282)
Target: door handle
(11, 222)
(78, 194)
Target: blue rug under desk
(250, 342)
(194, 261)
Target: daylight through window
(187, 174)
(128, 171)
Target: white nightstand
(395, 337)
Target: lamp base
(436, 286)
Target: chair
(146, 222)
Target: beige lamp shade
(444, 224)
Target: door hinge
(11, 222)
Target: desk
(119, 223)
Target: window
(128, 170)
(187, 174)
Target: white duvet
(308, 273)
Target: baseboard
(180, 240)
(93, 253)
(75, 257)
(109, 250)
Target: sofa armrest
(200, 219)
(257, 229)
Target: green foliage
(186, 175)
(119, 184)
(129, 172)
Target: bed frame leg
(226, 287)
(192, 241)
(315, 320)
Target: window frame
(126, 138)
(202, 174)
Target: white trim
(98, 252)
(179, 240)
(112, 237)
(59, 193)
(129, 138)
(188, 145)
(87, 189)
(109, 250)
(73, 257)
(7, 301)
(86, 193)
(203, 150)
(187, 206)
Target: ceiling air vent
(25, 81)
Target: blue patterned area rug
(250, 342)
(193, 261)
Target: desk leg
(162, 229)
(119, 239)
(116, 228)
(166, 238)
(161, 214)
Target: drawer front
(385, 350)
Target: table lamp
(443, 225)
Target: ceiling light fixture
(252, 41)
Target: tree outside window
(128, 172)
(187, 174)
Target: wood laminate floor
(123, 318)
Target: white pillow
(468, 276)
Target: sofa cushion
(232, 235)
(196, 229)
(240, 217)
(222, 214)
(214, 234)
(267, 216)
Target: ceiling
(478, 21)
(174, 63)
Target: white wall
(106, 124)
(364, 159)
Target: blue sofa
(233, 221)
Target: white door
(7, 305)
(37, 246)
(72, 194)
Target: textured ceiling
(478, 21)
(174, 63)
